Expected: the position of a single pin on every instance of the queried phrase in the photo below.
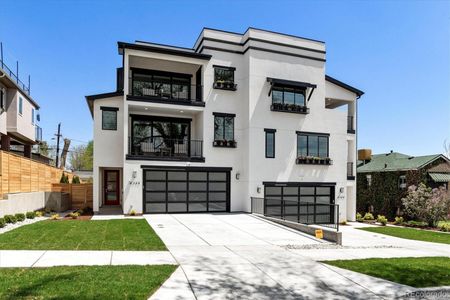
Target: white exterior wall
(20, 124)
(251, 104)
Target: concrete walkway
(42, 258)
(230, 256)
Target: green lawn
(83, 235)
(105, 282)
(416, 272)
(412, 234)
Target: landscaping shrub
(132, 212)
(20, 217)
(445, 227)
(425, 204)
(399, 220)
(74, 215)
(54, 217)
(30, 215)
(382, 219)
(368, 217)
(64, 178)
(359, 217)
(76, 180)
(415, 224)
(2, 222)
(39, 214)
(10, 219)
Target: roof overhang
(276, 82)
(163, 50)
(11, 83)
(359, 93)
(90, 99)
(440, 177)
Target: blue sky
(398, 52)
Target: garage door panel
(155, 175)
(198, 176)
(196, 207)
(177, 197)
(155, 197)
(217, 176)
(217, 206)
(177, 175)
(197, 186)
(155, 185)
(156, 207)
(218, 186)
(217, 196)
(177, 186)
(177, 207)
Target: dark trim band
(107, 108)
(219, 114)
(225, 67)
(291, 183)
(148, 48)
(190, 168)
(270, 130)
(312, 133)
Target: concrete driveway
(239, 256)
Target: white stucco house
(238, 116)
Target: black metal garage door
(186, 190)
(300, 202)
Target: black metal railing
(15, 77)
(164, 147)
(291, 108)
(350, 124)
(307, 213)
(350, 173)
(38, 136)
(166, 91)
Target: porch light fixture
(133, 174)
(146, 108)
(238, 175)
(258, 189)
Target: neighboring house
(19, 114)
(237, 116)
(383, 179)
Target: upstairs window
(312, 148)
(288, 96)
(224, 78)
(270, 143)
(109, 118)
(20, 106)
(369, 180)
(224, 130)
(402, 182)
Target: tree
(425, 204)
(44, 149)
(81, 157)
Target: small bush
(74, 215)
(80, 212)
(2, 222)
(382, 219)
(132, 212)
(343, 222)
(64, 178)
(10, 219)
(39, 214)
(30, 215)
(399, 220)
(368, 217)
(20, 217)
(359, 217)
(419, 224)
(444, 227)
(76, 180)
(54, 217)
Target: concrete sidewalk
(52, 258)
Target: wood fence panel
(21, 175)
(80, 195)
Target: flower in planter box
(216, 143)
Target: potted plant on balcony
(309, 159)
(216, 143)
(219, 84)
(328, 160)
(232, 143)
(301, 159)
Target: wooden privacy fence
(22, 175)
(80, 195)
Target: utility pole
(58, 135)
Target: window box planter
(292, 108)
(309, 160)
(225, 143)
(231, 86)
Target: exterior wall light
(238, 175)
(258, 190)
(134, 174)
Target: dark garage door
(299, 202)
(186, 190)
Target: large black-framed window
(160, 84)
(270, 143)
(223, 127)
(289, 96)
(224, 78)
(312, 144)
(109, 118)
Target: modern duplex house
(19, 116)
(238, 116)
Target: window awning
(440, 177)
(275, 82)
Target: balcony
(350, 174)
(160, 148)
(164, 87)
(350, 125)
(15, 77)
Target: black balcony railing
(159, 147)
(350, 173)
(38, 133)
(350, 124)
(15, 78)
(291, 108)
(167, 91)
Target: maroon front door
(111, 187)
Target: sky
(397, 52)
